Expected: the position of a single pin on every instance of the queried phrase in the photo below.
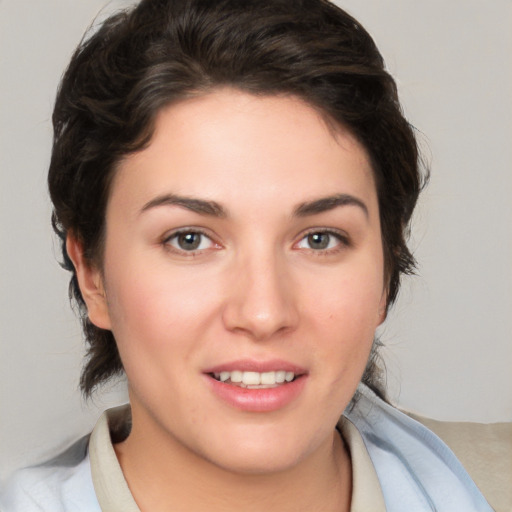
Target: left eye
(190, 241)
(320, 241)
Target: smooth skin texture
(248, 229)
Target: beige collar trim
(110, 485)
(366, 491)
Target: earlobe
(91, 285)
(383, 310)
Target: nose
(261, 301)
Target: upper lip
(250, 365)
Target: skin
(256, 288)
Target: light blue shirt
(417, 472)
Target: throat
(159, 473)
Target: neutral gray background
(449, 338)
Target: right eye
(189, 241)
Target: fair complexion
(245, 237)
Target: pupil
(189, 241)
(318, 240)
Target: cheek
(153, 313)
(347, 317)
(351, 302)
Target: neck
(160, 472)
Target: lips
(257, 386)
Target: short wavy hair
(162, 51)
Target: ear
(91, 285)
(383, 307)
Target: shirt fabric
(397, 465)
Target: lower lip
(258, 400)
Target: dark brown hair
(163, 51)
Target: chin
(261, 463)
(258, 453)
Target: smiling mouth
(255, 380)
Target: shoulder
(485, 451)
(62, 484)
(416, 469)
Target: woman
(232, 182)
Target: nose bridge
(261, 302)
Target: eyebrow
(214, 209)
(200, 206)
(325, 204)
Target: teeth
(251, 379)
(268, 378)
(236, 376)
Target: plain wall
(449, 337)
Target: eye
(189, 241)
(322, 241)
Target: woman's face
(242, 244)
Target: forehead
(229, 144)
